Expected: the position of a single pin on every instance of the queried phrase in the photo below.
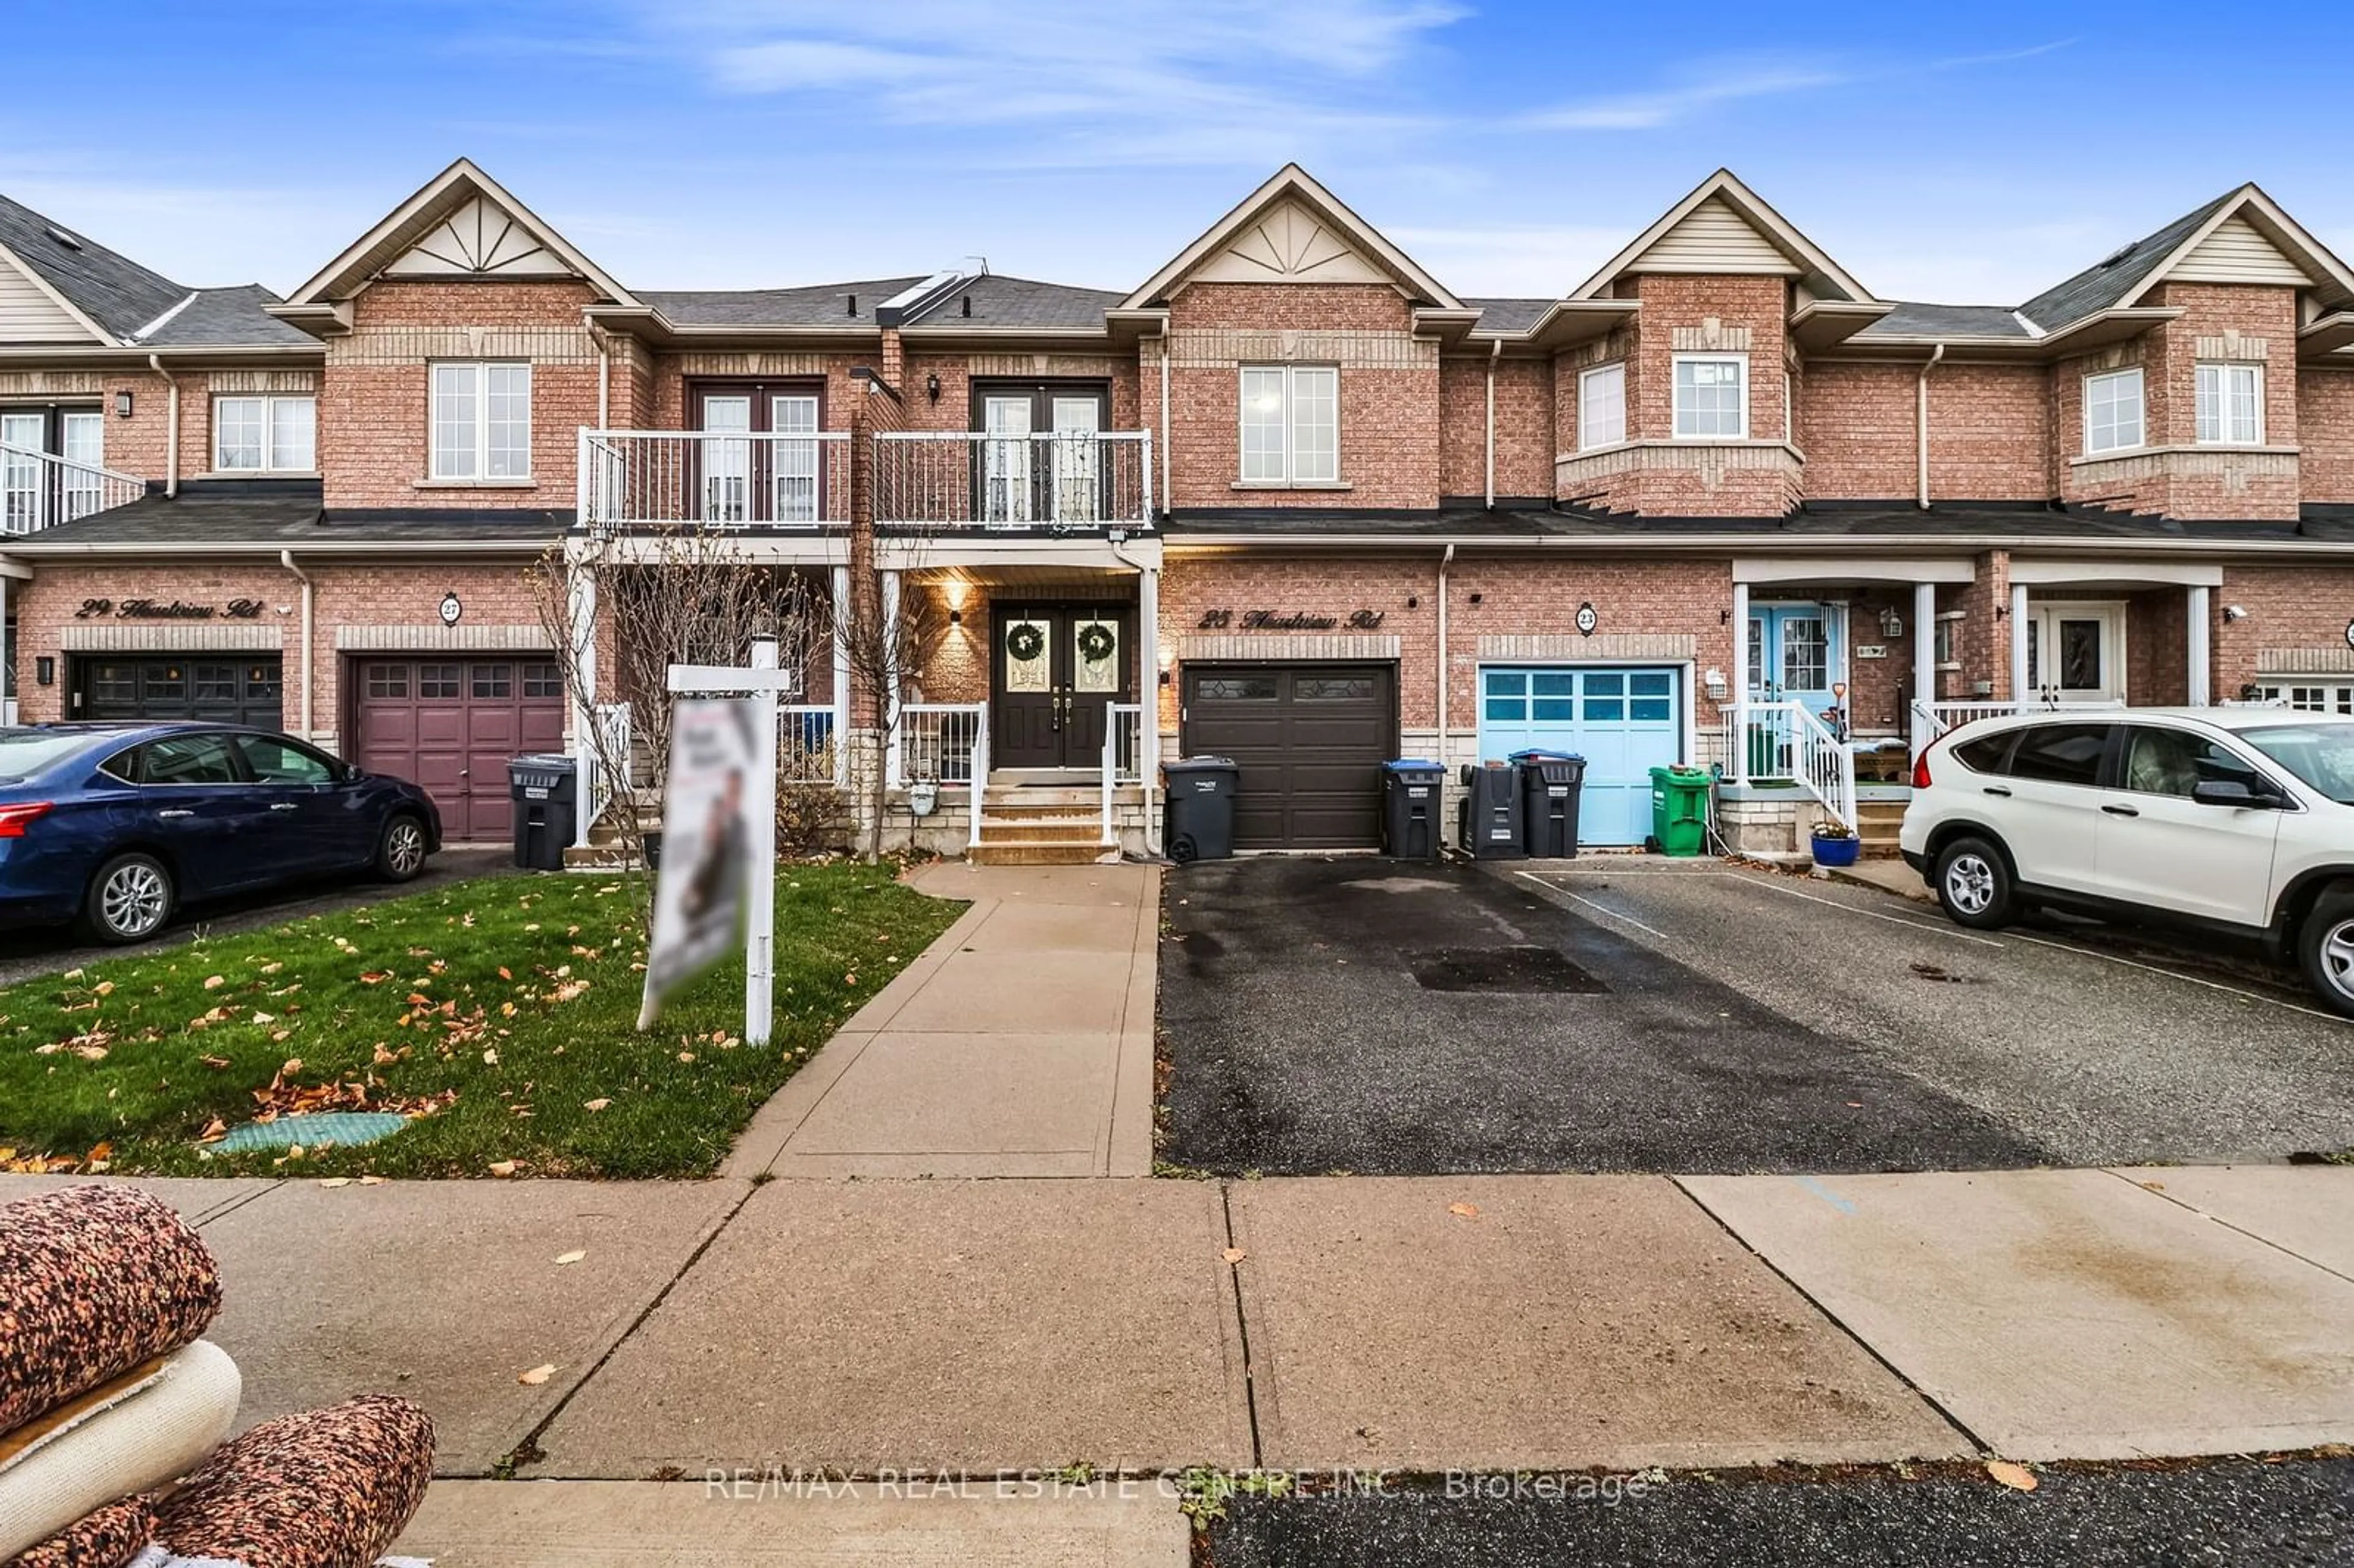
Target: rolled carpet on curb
(94, 1282)
(325, 1488)
(111, 1537)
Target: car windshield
(25, 752)
(2320, 754)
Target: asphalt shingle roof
(1910, 319)
(113, 290)
(1014, 303)
(2101, 286)
(228, 317)
(1508, 315)
(283, 514)
(818, 304)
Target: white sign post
(767, 685)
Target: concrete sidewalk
(1019, 1044)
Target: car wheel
(129, 900)
(1974, 885)
(2326, 942)
(400, 849)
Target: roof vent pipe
(968, 305)
(853, 305)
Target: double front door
(1056, 668)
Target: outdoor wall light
(1715, 681)
(1891, 625)
(956, 618)
(2234, 612)
(1412, 602)
(123, 404)
(932, 388)
(1168, 657)
(1475, 598)
(45, 671)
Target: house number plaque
(1281, 620)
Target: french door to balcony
(1041, 462)
(761, 461)
(34, 495)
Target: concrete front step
(1040, 830)
(1065, 853)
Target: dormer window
(1711, 397)
(482, 422)
(2232, 405)
(2113, 411)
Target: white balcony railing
(960, 478)
(39, 489)
(1785, 740)
(755, 479)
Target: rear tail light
(1921, 770)
(14, 818)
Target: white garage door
(1623, 721)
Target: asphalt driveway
(1621, 1013)
(1406, 1019)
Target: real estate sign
(707, 843)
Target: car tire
(130, 899)
(1974, 885)
(400, 848)
(2325, 943)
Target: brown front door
(1055, 671)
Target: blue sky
(1968, 153)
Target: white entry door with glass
(2076, 652)
(35, 495)
(759, 461)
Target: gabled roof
(225, 318)
(111, 295)
(450, 193)
(816, 305)
(1292, 186)
(1720, 195)
(2120, 279)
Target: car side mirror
(2232, 792)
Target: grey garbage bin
(1200, 825)
(1410, 795)
(544, 788)
(1551, 782)
(1488, 818)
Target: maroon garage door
(452, 724)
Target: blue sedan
(118, 825)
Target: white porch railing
(714, 479)
(944, 743)
(1123, 757)
(1785, 740)
(1072, 480)
(39, 489)
(807, 745)
(1932, 721)
(607, 767)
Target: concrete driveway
(1619, 1014)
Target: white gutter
(286, 559)
(1753, 544)
(171, 427)
(1168, 501)
(1921, 414)
(1446, 559)
(1495, 353)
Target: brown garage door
(1310, 739)
(208, 688)
(452, 724)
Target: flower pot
(1842, 851)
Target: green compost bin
(1679, 810)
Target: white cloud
(1705, 87)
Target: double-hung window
(1602, 406)
(1291, 424)
(2230, 405)
(264, 435)
(481, 420)
(2113, 411)
(1711, 397)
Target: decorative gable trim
(2249, 238)
(1698, 235)
(480, 239)
(30, 304)
(1330, 232)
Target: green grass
(511, 1000)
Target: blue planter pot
(1837, 852)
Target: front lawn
(500, 1008)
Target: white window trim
(1291, 479)
(1585, 377)
(2224, 367)
(1673, 382)
(2085, 396)
(479, 479)
(269, 401)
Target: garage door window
(1333, 689)
(1236, 688)
(437, 680)
(1650, 697)
(494, 680)
(388, 680)
(542, 680)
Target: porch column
(1925, 661)
(1148, 693)
(2019, 691)
(580, 591)
(842, 677)
(8, 709)
(1737, 741)
(2200, 692)
(890, 693)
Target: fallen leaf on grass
(502, 1166)
(596, 1105)
(214, 983)
(215, 1063)
(376, 977)
(2017, 1477)
(505, 973)
(537, 1375)
(566, 1260)
(1464, 1210)
(1234, 1254)
(103, 987)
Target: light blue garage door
(1622, 721)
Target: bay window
(1712, 396)
(2230, 405)
(1602, 406)
(1290, 424)
(481, 421)
(2113, 411)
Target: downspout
(1920, 416)
(604, 375)
(286, 559)
(1496, 352)
(1444, 561)
(1168, 501)
(171, 427)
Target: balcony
(39, 489)
(748, 480)
(1060, 482)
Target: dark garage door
(1310, 739)
(213, 688)
(452, 724)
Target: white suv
(2237, 823)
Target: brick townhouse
(1290, 499)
